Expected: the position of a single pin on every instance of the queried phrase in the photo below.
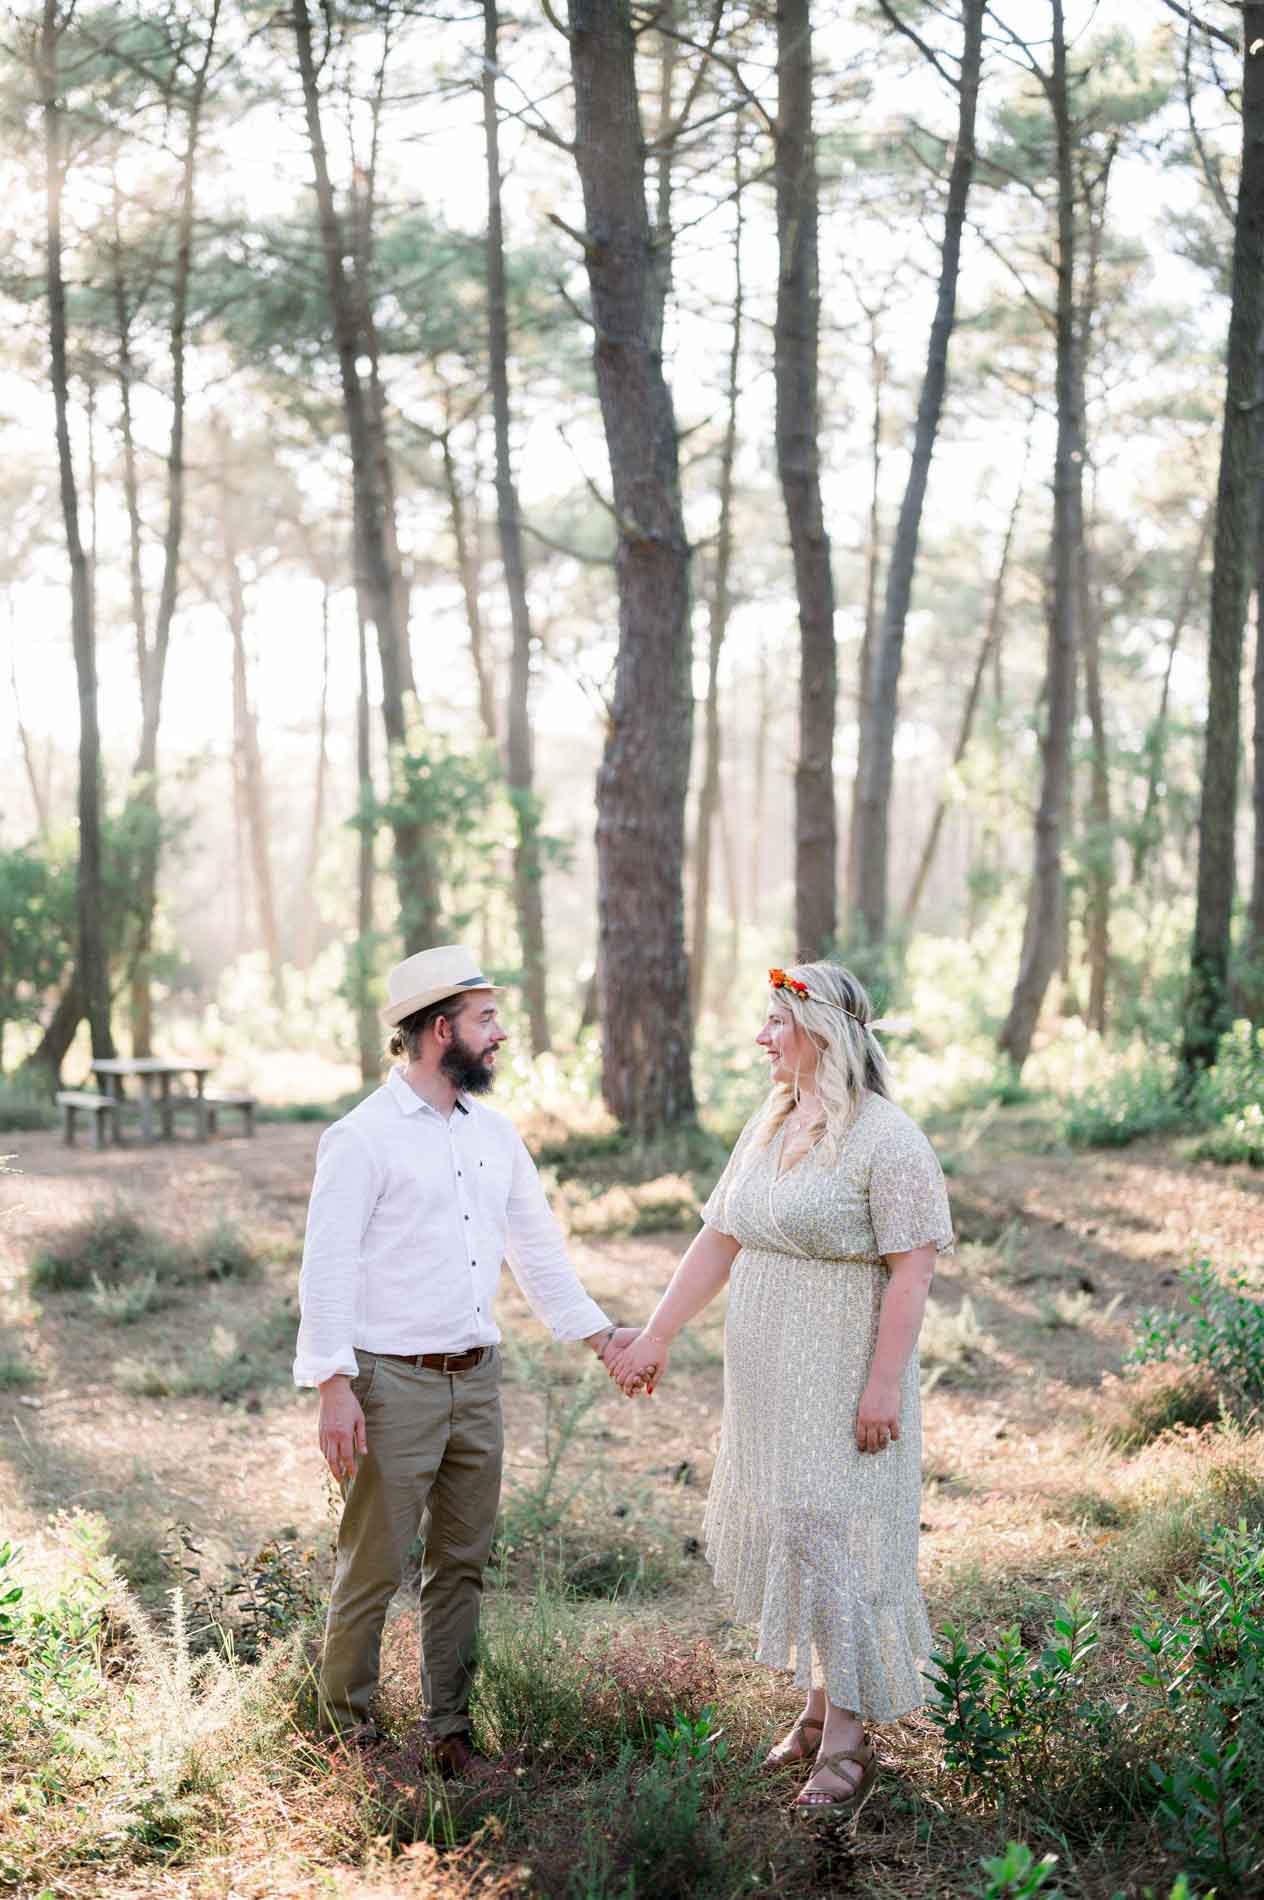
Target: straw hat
(430, 976)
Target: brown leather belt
(440, 1361)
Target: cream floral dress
(815, 1540)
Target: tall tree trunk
(1044, 929)
(528, 867)
(990, 641)
(93, 972)
(873, 557)
(247, 760)
(416, 870)
(152, 655)
(311, 911)
(368, 1037)
(643, 780)
(1253, 947)
(796, 341)
(1149, 828)
(1207, 1006)
(717, 628)
(469, 569)
(875, 793)
(1099, 845)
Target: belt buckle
(454, 1355)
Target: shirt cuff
(316, 1371)
(581, 1322)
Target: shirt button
(467, 1217)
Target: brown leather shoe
(455, 1756)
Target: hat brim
(394, 1014)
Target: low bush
(1220, 1328)
(220, 1369)
(1147, 1095)
(25, 1105)
(1141, 1098)
(16, 1372)
(1154, 1398)
(1239, 1137)
(112, 1249)
(109, 1246)
(1045, 1729)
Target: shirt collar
(407, 1099)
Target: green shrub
(225, 1255)
(16, 1372)
(1239, 1137)
(1142, 1099)
(1017, 1875)
(110, 1245)
(25, 1105)
(1155, 1398)
(1223, 1330)
(1206, 1664)
(220, 1369)
(126, 1301)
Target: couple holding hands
(824, 1225)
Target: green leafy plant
(1017, 1875)
(691, 1739)
(1222, 1328)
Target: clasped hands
(635, 1360)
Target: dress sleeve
(908, 1201)
(713, 1214)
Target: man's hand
(619, 1338)
(878, 1420)
(341, 1426)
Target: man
(419, 1194)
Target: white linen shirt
(412, 1213)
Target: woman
(828, 1218)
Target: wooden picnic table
(155, 1075)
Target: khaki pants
(432, 1468)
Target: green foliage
(1221, 1328)
(1139, 1099)
(1206, 1664)
(1017, 1875)
(221, 1368)
(112, 1249)
(258, 1598)
(16, 1372)
(1238, 1138)
(1017, 1724)
(1146, 1095)
(107, 1247)
(37, 930)
(691, 1739)
(1155, 1398)
(25, 1104)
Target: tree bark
(376, 579)
(875, 793)
(152, 654)
(1149, 828)
(311, 913)
(247, 761)
(93, 973)
(1044, 927)
(991, 639)
(368, 1037)
(528, 867)
(1099, 840)
(873, 557)
(796, 341)
(1207, 1007)
(1253, 947)
(642, 783)
(469, 568)
(717, 628)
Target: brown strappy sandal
(781, 1754)
(816, 1801)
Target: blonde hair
(836, 1014)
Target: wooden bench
(102, 1108)
(212, 1104)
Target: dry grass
(1032, 1488)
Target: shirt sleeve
(538, 1259)
(343, 1196)
(908, 1201)
(714, 1212)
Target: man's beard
(470, 1073)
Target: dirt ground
(1058, 1254)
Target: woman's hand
(640, 1364)
(878, 1420)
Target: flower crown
(778, 980)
